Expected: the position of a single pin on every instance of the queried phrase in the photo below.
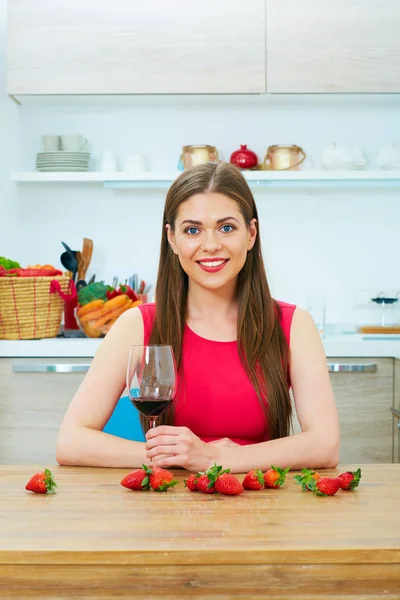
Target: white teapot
(343, 156)
(389, 157)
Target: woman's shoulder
(148, 309)
(285, 315)
(148, 312)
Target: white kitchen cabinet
(364, 400)
(135, 47)
(333, 46)
(34, 396)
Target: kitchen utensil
(93, 278)
(114, 281)
(343, 156)
(67, 262)
(198, 155)
(62, 161)
(70, 261)
(283, 158)
(244, 158)
(108, 162)
(81, 283)
(381, 313)
(86, 257)
(73, 142)
(134, 163)
(51, 142)
(389, 157)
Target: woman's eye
(192, 230)
(227, 228)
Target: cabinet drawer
(363, 389)
(34, 396)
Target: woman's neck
(211, 305)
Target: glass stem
(153, 423)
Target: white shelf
(157, 179)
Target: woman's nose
(210, 242)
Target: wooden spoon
(86, 257)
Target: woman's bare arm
(81, 440)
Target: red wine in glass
(151, 407)
(151, 380)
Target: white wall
(330, 241)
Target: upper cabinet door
(136, 46)
(330, 46)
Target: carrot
(113, 315)
(115, 302)
(83, 310)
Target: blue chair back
(124, 421)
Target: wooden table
(95, 539)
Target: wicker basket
(28, 311)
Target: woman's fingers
(165, 430)
(159, 450)
(162, 440)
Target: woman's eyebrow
(193, 222)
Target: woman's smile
(212, 265)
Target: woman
(238, 351)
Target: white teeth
(214, 263)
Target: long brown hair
(262, 345)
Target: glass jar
(198, 155)
(380, 313)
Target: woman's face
(211, 239)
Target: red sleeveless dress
(215, 398)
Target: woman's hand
(224, 442)
(169, 446)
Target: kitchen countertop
(346, 345)
(95, 539)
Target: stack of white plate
(62, 161)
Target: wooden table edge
(201, 557)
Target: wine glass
(151, 380)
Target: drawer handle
(56, 368)
(352, 368)
(396, 413)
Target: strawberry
(42, 483)
(160, 479)
(254, 480)
(206, 479)
(275, 477)
(325, 486)
(191, 482)
(136, 480)
(350, 480)
(308, 475)
(205, 485)
(229, 485)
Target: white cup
(134, 163)
(108, 162)
(51, 143)
(73, 143)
